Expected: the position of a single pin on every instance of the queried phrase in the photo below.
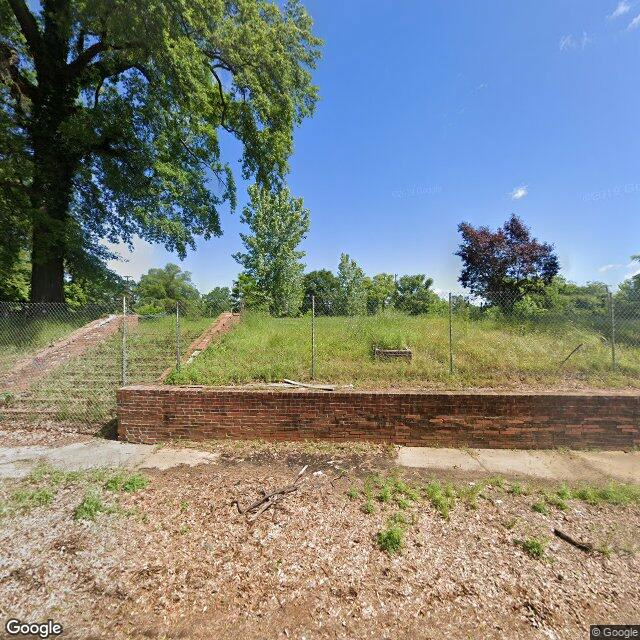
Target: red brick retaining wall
(153, 413)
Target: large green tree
(272, 263)
(111, 113)
(217, 301)
(162, 289)
(324, 288)
(413, 295)
(352, 296)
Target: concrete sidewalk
(17, 462)
(547, 465)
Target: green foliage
(556, 501)
(89, 507)
(380, 291)
(278, 222)
(443, 499)
(25, 499)
(391, 539)
(368, 507)
(517, 489)
(533, 546)
(352, 294)
(325, 287)
(613, 493)
(166, 287)
(540, 507)
(217, 301)
(128, 483)
(353, 493)
(108, 134)
(15, 269)
(490, 353)
(413, 295)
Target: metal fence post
(313, 337)
(613, 330)
(450, 337)
(123, 373)
(178, 358)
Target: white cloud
(567, 42)
(519, 192)
(635, 23)
(573, 42)
(134, 263)
(622, 8)
(608, 267)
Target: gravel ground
(177, 560)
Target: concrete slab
(546, 465)
(426, 458)
(97, 453)
(18, 462)
(620, 465)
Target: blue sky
(448, 110)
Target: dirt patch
(177, 560)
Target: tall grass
(487, 353)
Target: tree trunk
(54, 169)
(47, 267)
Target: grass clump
(25, 499)
(540, 507)
(89, 508)
(556, 501)
(617, 494)
(391, 539)
(368, 507)
(442, 499)
(127, 483)
(353, 493)
(518, 489)
(534, 547)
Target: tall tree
(505, 265)
(352, 298)
(324, 287)
(164, 288)
(380, 290)
(217, 301)
(278, 223)
(111, 113)
(413, 295)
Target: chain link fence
(60, 366)
(458, 342)
(450, 342)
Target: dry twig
(256, 509)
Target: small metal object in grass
(392, 354)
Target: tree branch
(10, 75)
(28, 25)
(85, 57)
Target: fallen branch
(583, 546)
(574, 351)
(269, 498)
(321, 387)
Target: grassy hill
(487, 353)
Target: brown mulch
(178, 561)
